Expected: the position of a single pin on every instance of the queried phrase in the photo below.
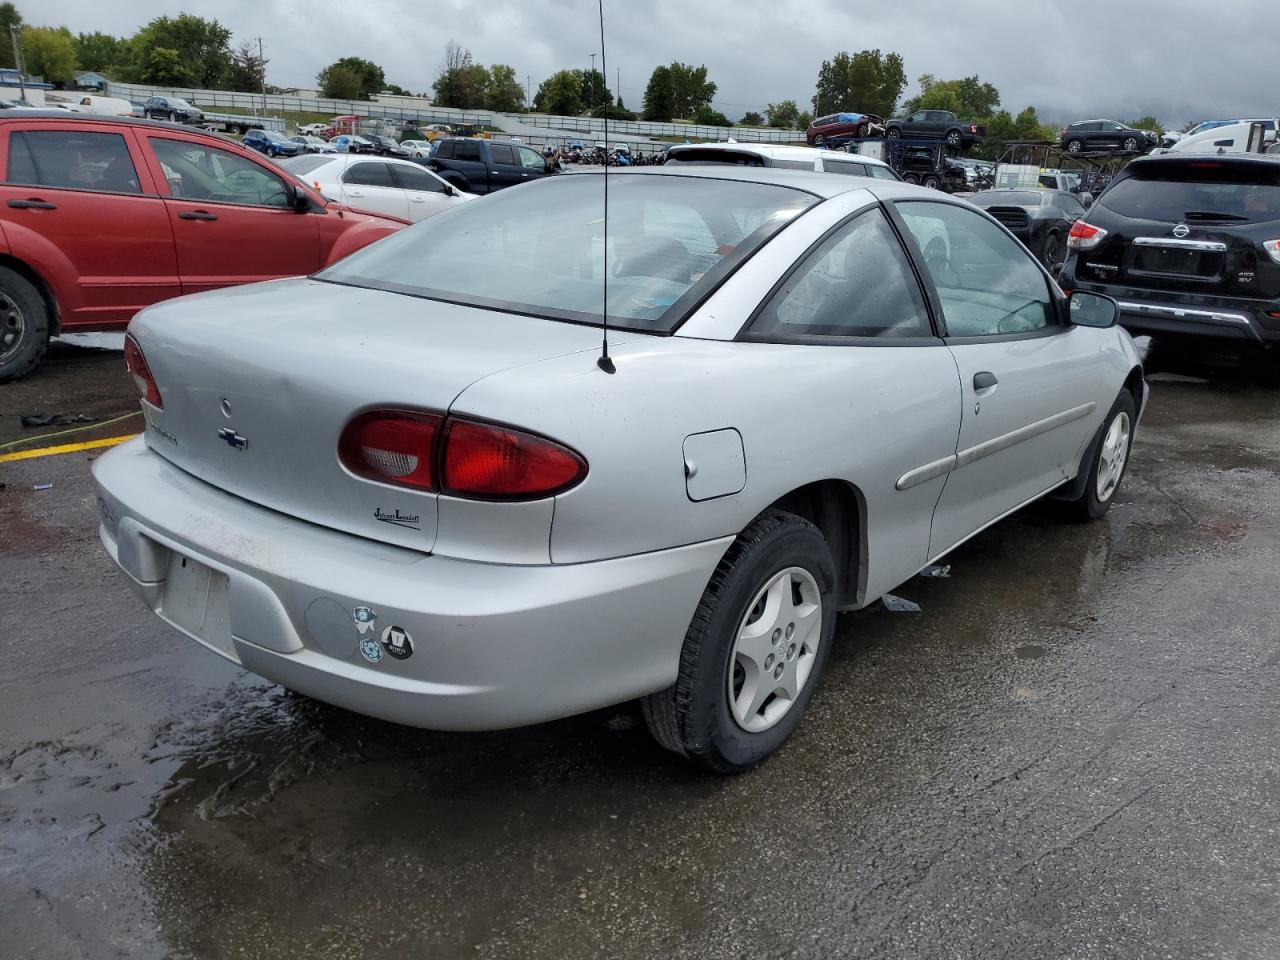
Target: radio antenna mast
(603, 361)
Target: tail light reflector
(1273, 249)
(140, 373)
(393, 446)
(1085, 236)
(488, 461)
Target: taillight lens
(393, 446)
(1085, 236)
(140, 373)
(1273, 249)
(464, 458)
(488, 461)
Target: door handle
(34, 203)
(417, 199)
(984, 380)
(197, 215)
(355, 193)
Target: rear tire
(953, 138)
(1109, 459)
(893, 133)
(1051, 252)
(24, 325)
(911, 178)
(779, 570)
(931, 182)
(1074, 146)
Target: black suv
(1086, 135)
(386, 146)
(171, 108)
(1188, 244)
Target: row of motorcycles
(613, 158)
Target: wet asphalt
(1073, 751)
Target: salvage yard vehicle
(272, 143)
(847, 124)
(469, 518)
(1188, 244)
(310, 144)
(786, 158)
(171, 108)
(1084, 136)
(936, 125)
(101, 216)
(398, 188)
(484, 166)
(1041, 219)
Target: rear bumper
(493, 646)
(1145, 311)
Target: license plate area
(1177, 262)
(197, 601)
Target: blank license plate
(196, 599)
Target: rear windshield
(301, 166)
(1017, 198)
(735, 158)
(1201, 190)
(539, 248)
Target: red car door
(231, 215)
(80, 207)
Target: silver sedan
(415, 485)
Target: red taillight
(140, 373)
(1084, 236)
(463, 458)
(394, 446)
(488, 461)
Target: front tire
(1110, 458)
(1051, 252)
(953, 138)
(1074, 146)
(1131, 144)
(893, 133)
(932, 182)
(755, 648)
(24, 325)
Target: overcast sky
(1072, 59)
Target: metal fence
(268, 103)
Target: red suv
(101, 216)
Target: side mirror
(298, 200)
(449, 190)
(1086, 199)
(1086, 309)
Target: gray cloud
(1180, 59)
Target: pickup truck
(936, 125)
(483, 166)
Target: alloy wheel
(12, 326)
(1112, 457)
(774, 651)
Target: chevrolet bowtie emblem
(232, 438)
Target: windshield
(1199, 190)
(1018, 198)
(540, 249)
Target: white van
(103, 106)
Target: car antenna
(604, 362)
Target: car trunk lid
(258, 383)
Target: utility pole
(262, 75)
(528, 93)
(617, 90)
(591, 87)
(15, 32)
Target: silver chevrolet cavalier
(412, 486)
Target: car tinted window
(412, 178)
(1201, 190)
(884, 173)
(368, 175)
(73, 160)
(708, 156)
(857, 283)
(466, 150)
(445, 150)
(502, 153)
(197, 171)
(540, 250)
(792, 164)
(987, 282)
(847, 167)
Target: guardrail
(267, 103)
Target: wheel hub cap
(1112, 457)
(12, 326)
(773, 652)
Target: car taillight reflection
(458, 457)
(140, 374)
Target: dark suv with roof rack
(1188, 244)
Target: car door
(231, 216)
(1030, 382)
(852, 312)
(426, 193)
(368, 185)
(469, 161)
(505, 169)
(83, 209)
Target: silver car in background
(411, 486)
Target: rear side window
(467, 150)
(857, 283)
(711, 156)
(368, 175)
(445, 150)
(73, 160)
(884, 173)
(502, 153)
(1205, 191)
(849, 169)
(792, 164)
(413, 179)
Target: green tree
(248, 69)
(560, 94)
(968, 97)
(866, 82)
(690, 89)
(594, 92)
(1147, 123)
(505, 92)
(462, 82)
(659, 96)
(396, 90)
(49, 52)
(368, 74)
(203, 49)
(709, 117)
(752, 119)
(101, 53)
(614, 111)
(340, 83)
(783, 115)
(9, 17)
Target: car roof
(1173, 157)
(810, 181)
(774, 152)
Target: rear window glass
(1202, 190)
(301, 166)
(72, 159)
(540, 250)
(1016, 198)
(734, 158)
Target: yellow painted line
(64, 448)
